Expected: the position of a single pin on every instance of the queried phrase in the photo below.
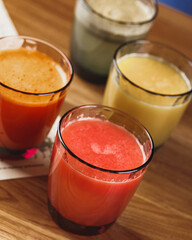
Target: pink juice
(87, 195)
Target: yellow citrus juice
(150, 90)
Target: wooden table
(162, 206)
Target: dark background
(181, 5)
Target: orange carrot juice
(83, 195)
(32, 89)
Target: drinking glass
(100, 27)
(26, 117)
(158, 112)
(84, 198)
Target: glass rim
(133, 170)
(50, 46)
(138, 86)
(124, 22)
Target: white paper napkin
(37, 165)
(7, 27)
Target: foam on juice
(117, 149)
(123, 10)
(128, 11)
(153, 74)
(30, 71)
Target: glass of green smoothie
(100, 26)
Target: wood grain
(161, 208)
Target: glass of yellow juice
(153, 83)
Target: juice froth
(153, 74)
(123, 10)
(117, 149)
(30, 71)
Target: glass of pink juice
(99, 158)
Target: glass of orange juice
(34, 79)
(151, 82)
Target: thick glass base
(87, 75)
(74, 227)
